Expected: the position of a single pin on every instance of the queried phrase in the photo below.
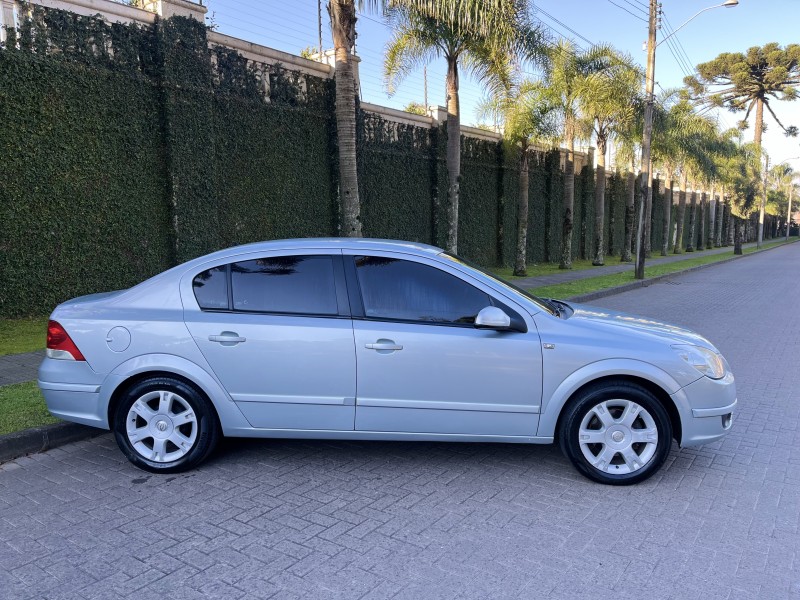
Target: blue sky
(291, 25)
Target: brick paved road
(286, 519)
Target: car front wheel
(616, 433)
(164, 425)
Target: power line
(634, 15)
(567, 27)
(646, 11)
(677, 40)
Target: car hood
(633, 324)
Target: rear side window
(410, 291)
(211, 288)
(285, 284)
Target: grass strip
(22, 335)
(22, 407)
(602, 282)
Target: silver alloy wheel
(618, 437)
(161, 426)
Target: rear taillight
(59, 344)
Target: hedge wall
(128, 149)
(82, 193)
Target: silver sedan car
(376, 340)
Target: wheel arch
(141, 368)
(653, 379)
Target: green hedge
(128, 149)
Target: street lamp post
(648, 118)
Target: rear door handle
(385, 345)
(227, 338)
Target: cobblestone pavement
(299, 519)
(16, 368)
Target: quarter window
(211, 288)
(410, 291)
(285, 284)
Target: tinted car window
(285, 284)
(211, 288)
(409, 291)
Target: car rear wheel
(164, 425)
(616, 433)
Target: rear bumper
(71, 390)
(708, 413)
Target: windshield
(542, 303)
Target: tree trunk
(453, 153)
(737, 234)
(667, 213)
(701, 243)
(343, 28)
(599, 202)
(713, 206)
(729, 239)
(692, 222)
(648, 213)
(720, 219)
(789, 213)
(521, 262)
(681, 214)
(569, 205)
(630, 213)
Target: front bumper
(71, 390)
(706, 408)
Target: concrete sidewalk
(613, 266)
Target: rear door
(276, 330)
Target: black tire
(610, 400)
(198, 436)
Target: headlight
(708, 362)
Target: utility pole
(647, 136)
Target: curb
(658, 278)
(40, 439)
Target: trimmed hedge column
(186, 81)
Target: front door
(422, 365)
(277, 333)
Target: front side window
(409, 291)
(285, 284)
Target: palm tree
(419, 38)
(479, 15)
(608, 101)
(785, 181)
(529, 113)
(740, 172)
(565, 74)
(688, 143)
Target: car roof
(323, 244)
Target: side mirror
(492, 317)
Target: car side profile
(376, 340)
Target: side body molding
(556, 400)
(229, 414)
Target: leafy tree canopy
(740, 81)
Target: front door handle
(384, 345)
(227, 338)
